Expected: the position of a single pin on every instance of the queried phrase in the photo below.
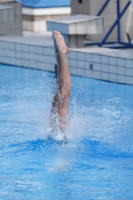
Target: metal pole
(103, 7)
(119, 23)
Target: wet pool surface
(97, 161)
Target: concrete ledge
(46, 11)
(75, 27)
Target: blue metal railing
(117, 23)
(103, 7)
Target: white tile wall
(104, 76)
(121, 70)
(96, 66)
(48, 59)
(112, 61)
(11, 45)
(18, 62)
(39, 49)
(18, 47)
(73, 63)
(12, 61)
(129, 63)
(5, 52)
(87, 65)
(73, 70)
(104, 59)
(129, 80)
(50, 67)
(41, 58)
(88, 57)
(81, 72)
(34, 57)
(73, 54)
(47, 51)
(81, 64)
(1, 59)
(40, 65)
(25, 48)
(113, 77)
(97, 74)
(2, 44)
(1, 52)
(112, 69)
(26, 63)
(80, 56)
(104, 68)
(33, 64)
(32, 48)
(52, 52)
(129, 71)
(68, 62)
(18, 54)
(53, 60)
(121, 79)
(27, 55)
(121, 62)
(96, 58)
(89, 73)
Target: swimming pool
(97, 162)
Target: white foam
(59, 137)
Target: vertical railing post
(119, 23)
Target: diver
(59, 116)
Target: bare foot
(60, 45)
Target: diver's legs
(61, 98)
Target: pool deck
(36, 51)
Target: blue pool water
(97, 162)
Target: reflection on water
(95, 163)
